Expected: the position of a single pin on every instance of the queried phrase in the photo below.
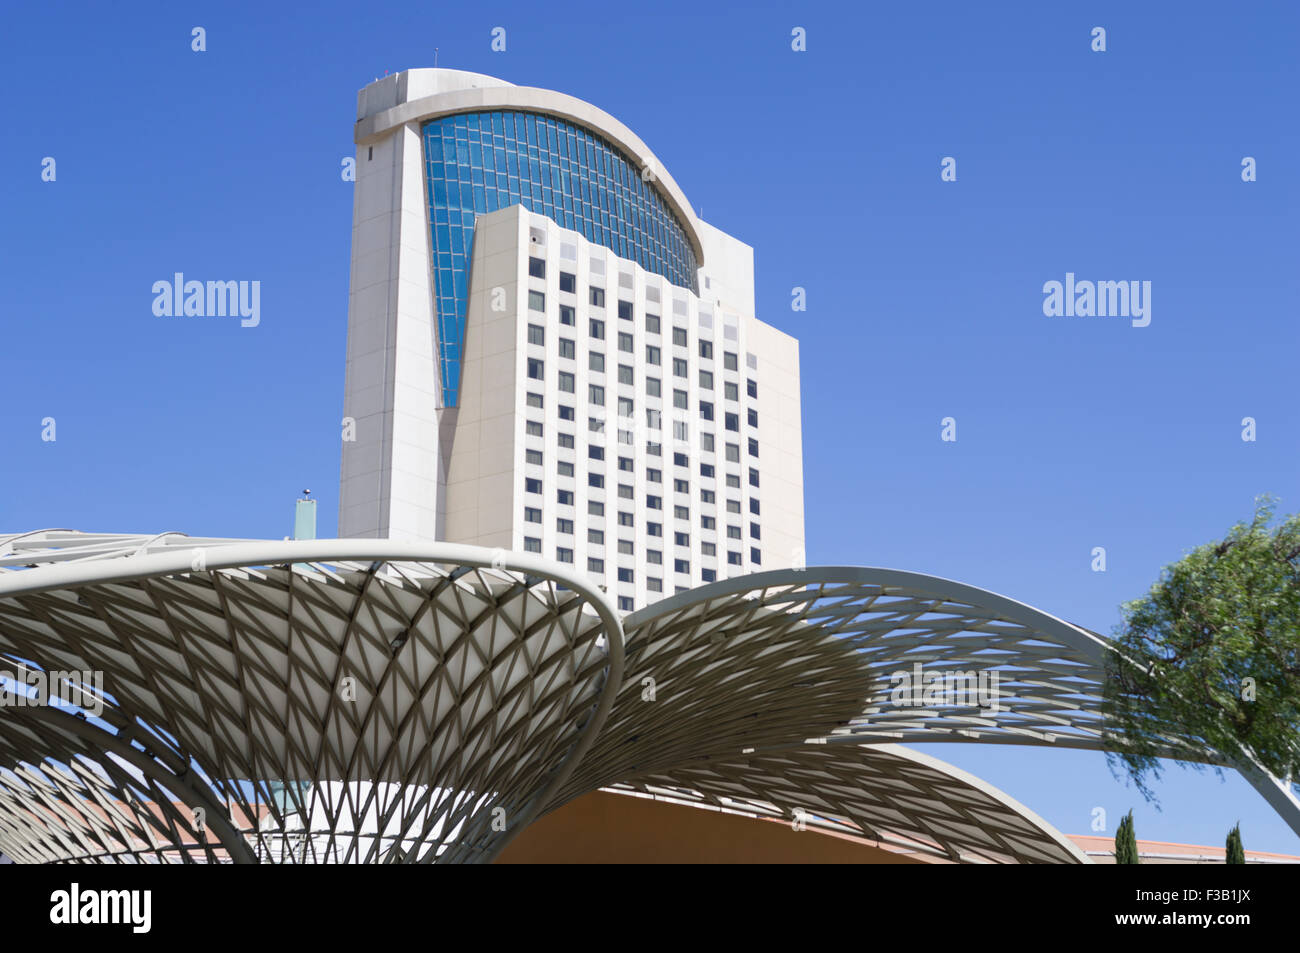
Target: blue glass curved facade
(479, 162)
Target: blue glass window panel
(480, 162)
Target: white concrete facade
(656, 451)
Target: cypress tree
(1126, 848)
(1236, 853)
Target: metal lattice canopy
(379, 701)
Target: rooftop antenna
(435, 57)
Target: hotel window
(708, 522)
(533, 428)
(626, 547)
(563, 555)
(730, 361)
(706, 442)
(706, 470)
(653, 449)
(564, 497)
(733, 506)
(679, 367)
(706, 410)
(681, 431)
(625, 492)
(753, 417)
(596, 537)
(707, 496)
(566, 440)
(734, 559)
(625, 342)
(595, 479)
(567, 348)
(625, 575)
(706, 380)
(564, 527)
(536, 334)
(568, 282)
(532, 544)
(731, 421)
(536, 301)
(755, 531)
(596, 424)
(596, 362)
(651, 354)
(597, 329)
(682, 513)
(654, 529)
(680, 399)
(625, 519)
(654, 585)
(708, 549)
(626, 464)
(751, 388)
(595, 508)
(682, 566)
(568, 315)
(706, 350)
(731, 391)
(709, 575)
(595, 565)
(679, 460)
(654, 502)
(755, 556)
(536, 268)
(534, 400)
(532, 514)
(625, 374)
(733, 481)
(625, 310)
(679, 337)
(654, 557)
(533, 456)
(566, 382)
(681, 486)
(652, 387)
(653, 419)
(625, 604)
(753, 476)
(597, 297)
(733, 453)
(753, 447)
(564, 469)
(753, 507)
(654, 476)
(536, 369)
(733, 532)
(652, 323)
(566, 413)
(596, 394)
(595, 452)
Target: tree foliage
(1212, 654)
(1126, 845)
(1236, 853)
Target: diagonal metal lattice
(362, 708)
(383, 702)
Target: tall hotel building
(548, 351)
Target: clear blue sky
(925, 298)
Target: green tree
(1236, 853)
(1126, 845)
(1211, 655)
